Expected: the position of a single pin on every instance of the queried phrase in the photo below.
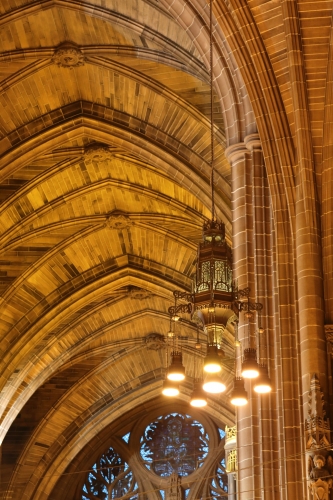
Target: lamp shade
(238, 396)
(262, 384)
(199, 398)
(213, 384)
(176, 371)
(170, 389)
(250, 367)
(212, 362)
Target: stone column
(263, 271)
(248, 436)
(269, 427)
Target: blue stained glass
(110, 477)
(222, 433)
(219, 484)
(126, 437)
(174, 443)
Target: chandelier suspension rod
(211, 109)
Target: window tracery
(110, 477)
(172, 447)
(174, 443)
(219, 483)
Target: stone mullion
(262, 228)
(248, 447)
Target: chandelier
(214, 299)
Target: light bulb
(169, 389)
(213, 384)
(176, 371)
(212, 362)
(262, 384)
(198, 398)
(250, 368)
(238, 396)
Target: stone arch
(89, 425)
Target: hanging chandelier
(214, 298)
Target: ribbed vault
(105, 184)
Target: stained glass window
(172, 447)
(126, 437)
(110, 477)
(222, 433)
(219, 484)
(174, 443)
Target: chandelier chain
(211, 109)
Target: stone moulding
(68, 55)
(139, 294)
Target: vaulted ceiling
(105, 184)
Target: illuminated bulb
(176, 371)
(263, 384)
(250, 368)
(175, 317)
(238, 396)
(212, 361)
(213, 384)
(170, 389)
(199, 398)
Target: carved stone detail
(118, 221)
(317, 426)
(68, 55)
(320, 476)
(329, 333)
(155, 341)
(139, 294)
(97, 152)
(317, 429)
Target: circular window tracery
(171, 447)
(174, 443)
